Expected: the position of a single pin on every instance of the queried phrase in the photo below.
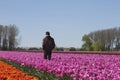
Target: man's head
(48, 33)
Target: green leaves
(87, 43)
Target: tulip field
(76, 66)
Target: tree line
(8, 37)
(102, 40)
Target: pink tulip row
(82, 66)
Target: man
(48, 45)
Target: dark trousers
(47, 55)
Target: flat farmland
(82, 66)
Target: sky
(66, 20)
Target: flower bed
(81, 66)
(8, 72)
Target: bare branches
(8, 37)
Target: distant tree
(21, 49)
(13, 33)
(1, 33)
(109, 38)
(117, 39)
(87, 43)
(59, 49)
(5, 38)
(33, 48)
(72, 49)
(117, 47)
(8, 37)
(97, 46)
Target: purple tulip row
(82, 66)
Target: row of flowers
(82, 66)
(8, 72)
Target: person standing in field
(48, 45)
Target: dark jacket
(48, 43)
